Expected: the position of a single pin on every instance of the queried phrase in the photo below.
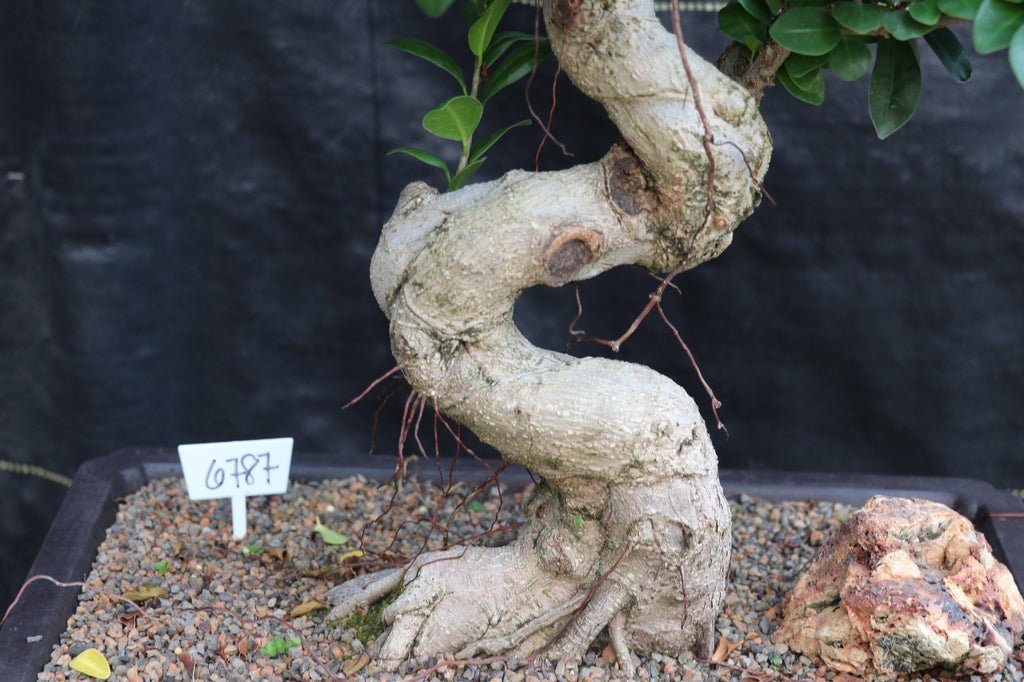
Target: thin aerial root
(567, 641)
(529, 84)
(551, 116)
(715, 402)
(372, 385)
(617, 634)
(509, 642)
(709, 138)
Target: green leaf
(425, 157)
(460, 178)
(807, 81)
(162, 567)
(516, 65)
(477, 506)
(895, 88)
(850, 59)
(995, 25)
(279, 645)
(902, 26)
(503, 41)
(1017, 55)
(806, 30)
(925, 11)
(577, 521)
(433, 54)
(951, 53)
(800, 64)
(774, 5)
(857, 17)
(759, 9)
(483, 145)
(814, 95)
(482, 30)
(329, 536)
(738, 24)
(434, 8)
(961, 9)
(456, 119)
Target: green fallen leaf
(92, 663)
(279, 645)
(254, 549)
(577, 521)
(476, 506)
(329, 536)
(162, 567)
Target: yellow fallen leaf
(144, 592)
(307, 607)
(92, 663)
(355, 553)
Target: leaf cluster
(837, 35)
(279, 645)
(499, 60)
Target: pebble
(772, 544)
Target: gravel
(225, 600)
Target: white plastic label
(236, 469)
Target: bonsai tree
(628, 529)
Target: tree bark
(617, 445)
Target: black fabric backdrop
(190, 193)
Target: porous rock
(905, 585)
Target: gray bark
(616, 444)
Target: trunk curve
(630, 506)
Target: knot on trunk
(630, 188)
(570, 248)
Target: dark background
(190, 193)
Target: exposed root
(361, 592)
(617, 635)
(497, 645)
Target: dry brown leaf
(243, 647)
(354, 665)
(279, 553)
(724, 648)
(176, 549)
(187, 663)
(145, 592)
(306, 607)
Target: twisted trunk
(617, 445)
